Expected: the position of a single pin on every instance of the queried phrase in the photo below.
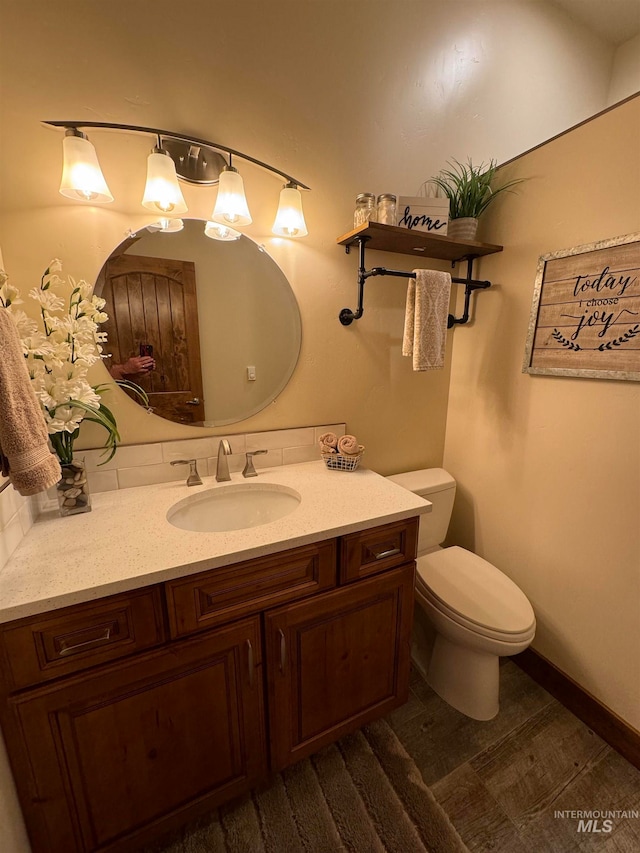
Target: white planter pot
(464, 228)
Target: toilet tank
(437, 486)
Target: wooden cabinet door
(336, 662)
(133, 745)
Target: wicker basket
(338, 462)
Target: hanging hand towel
(425, 322)
(24, 442)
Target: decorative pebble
(73, 496)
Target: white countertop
(126, 542)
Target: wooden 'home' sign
(419, 213)
(585, 318)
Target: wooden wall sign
(585, 317)
(421, 213)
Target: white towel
(425, 321)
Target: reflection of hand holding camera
(134, 367)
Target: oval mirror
(219, 319)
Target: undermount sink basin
(234, 507)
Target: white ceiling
(615, 20)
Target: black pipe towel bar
(347, 316)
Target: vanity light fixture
(217, 231)
(289, 220)
(162, 192)
(231, 204)
(82, 176)
(179, 157)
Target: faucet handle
(249, 470)
(194, 478)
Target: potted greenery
(469, 191)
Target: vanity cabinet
(130, 715)
(122, 747)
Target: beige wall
(349, 97)
(549, 467)
(625, 75)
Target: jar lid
(387, 196)
(365, 196)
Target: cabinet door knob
(250, 662)
(283, 650)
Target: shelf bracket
(347, 316)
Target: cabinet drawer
(372, 551)
(230, 592)
(64, 641)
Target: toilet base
(465, 678)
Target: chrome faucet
(222, 469)
(194, 478)
(249, 470)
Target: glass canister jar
(387, 209)
(365, 209)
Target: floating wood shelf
(390, 238)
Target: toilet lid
(476, 590)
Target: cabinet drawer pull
(390, 552)
(74, 647)
(283, 650)
(250, 662)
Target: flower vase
(72, 489)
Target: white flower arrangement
(60, 354)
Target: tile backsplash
(145, 464)
(16, 517)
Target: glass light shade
(218, 231)
(231, 205)
(82, 176)
(289, 221)
(168, 225)
(162, 192)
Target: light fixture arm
(77, 125)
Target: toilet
(474, 613)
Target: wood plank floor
(503, 782)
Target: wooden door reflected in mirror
(152, 308)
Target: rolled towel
(328, 442)
(348, 445)
(330, 439)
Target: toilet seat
(475, 594)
